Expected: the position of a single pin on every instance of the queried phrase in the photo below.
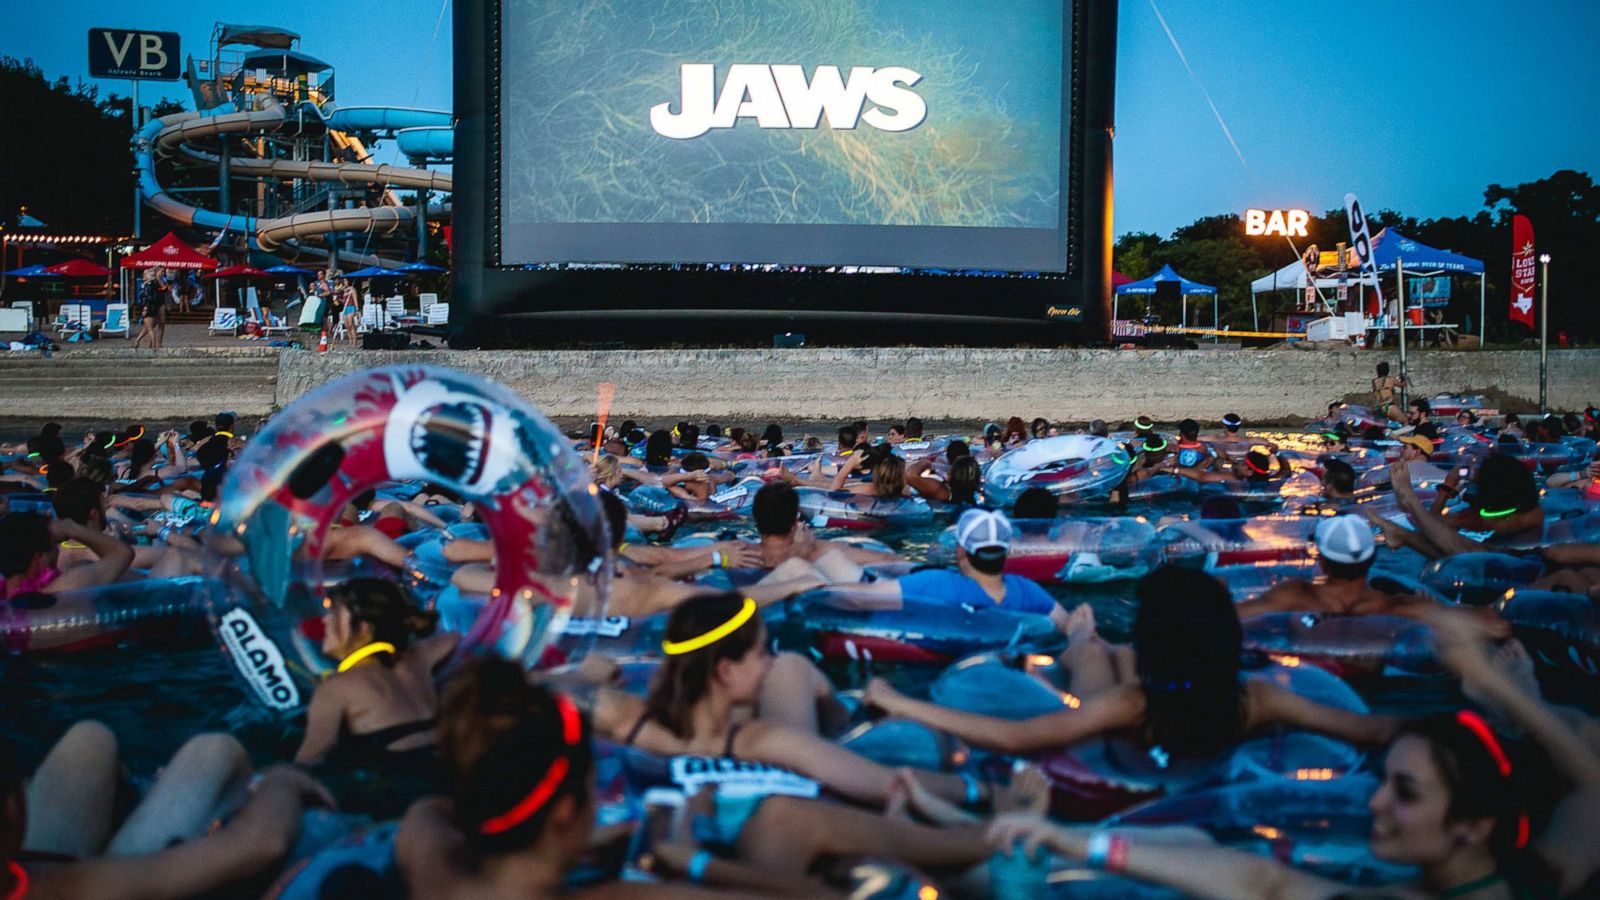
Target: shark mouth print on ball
(452, 438)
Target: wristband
(716, 559)
(974, 793)
(1099, 848)
(163, 533)
(696, 870)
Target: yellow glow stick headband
(375, 647)
(678, 648)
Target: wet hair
(1189, 429)
(1258, 466)
(812, 444)
(59, 473)
(1034, 503)
(381, 604)
(212, 453)
(1221, 506)
(23, 535)
(955, 450)
(47, 443)
(897, 428)
(1339, 475)
(776, 509)
(694, 462)
(1039, 427)
(847, 437)
(1099, 428)
(658, 448)
(78, 498)
(95, 468)
(616, 517)
(861, 428)
(1473, 777)
(628, 425)
(964, 480)
(684, 678)
(715, 430)
(772, 436)
(889, 476)
(225, 421)
(689, 436)
(1015, 426)
(1187, 640)
(502, 736)
(1503, 482)
(913, 427)
(140, 453)
(1383, 369)
(748, 443)
(1421, 406)
(1373, 433)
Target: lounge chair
(116, 320)
(224, 320)
(439, 314)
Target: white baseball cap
(982, 528)
(1345, 539)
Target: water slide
(175, 134)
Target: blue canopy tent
(286, 269)
(375, 272)
(1394, 252)
(1186, 289)
(33, 271)
(420, 268)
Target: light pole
(1544, 330)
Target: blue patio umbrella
(286, 269)
(375, 272)
(419, 268)
(33, 271)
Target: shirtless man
(785, 537)
(1345, 553)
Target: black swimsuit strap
(383, 737)
(634, 731)
(733, 733)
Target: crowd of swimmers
(490, 770)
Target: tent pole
(1480, 308)
(1400, 289)
(1216, 323)
(1184, 300)
(1255, 318)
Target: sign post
(1544, 330)
(135, 55)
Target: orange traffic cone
(322, 345)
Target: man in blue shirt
(983, 540)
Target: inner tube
(1070, 551)
(1068, 466)
(918, 632)
(473, 437)
(94, 618)
(1547, 459)
(1562, 634)
(843, 509)
(1479, 579)
(1450, 405)
(1231, 542)
(361, 864)
(1321, 825)
(1345, 645)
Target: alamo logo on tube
(259, 660)
(779, 96)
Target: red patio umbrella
(79, 268)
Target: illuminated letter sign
(1288, 222)
(780, 97)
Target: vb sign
(121, 53)
(1287, 222)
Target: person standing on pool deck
(1384, 388)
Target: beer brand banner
(1522, 270)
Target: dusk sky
(1415, 106)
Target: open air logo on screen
(779, 96)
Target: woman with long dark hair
(1178, 688)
